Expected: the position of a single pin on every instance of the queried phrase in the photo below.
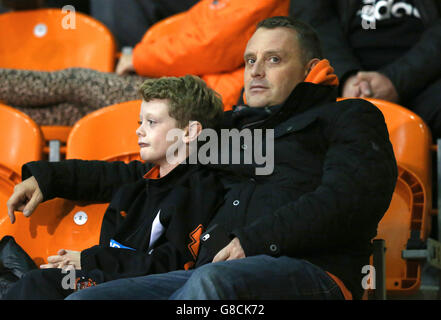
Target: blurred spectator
(21, 4)
(389, 50)
(80, 5)
(130, 19)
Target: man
(304, 230)
(383, 49)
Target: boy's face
(155, 123)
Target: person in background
(388, 50)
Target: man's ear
(311, 64)
(192, 131)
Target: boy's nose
(140, 132)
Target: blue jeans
(257, 277)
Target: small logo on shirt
(116, 244)
(374, 10)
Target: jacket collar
(305, 96)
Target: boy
(150, 226)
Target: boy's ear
(192, 131)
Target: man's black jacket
(412, 72)
(333, 179)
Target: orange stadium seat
(50, 39)
(21, 139)
(411, 205)
(105, 134)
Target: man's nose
(258, 70)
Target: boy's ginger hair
(189, 97)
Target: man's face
(155, 123)
(273, 66)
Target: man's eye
(275, 59)
(250, 61)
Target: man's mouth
(258, 88)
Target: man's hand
(64, 258)
(351, 88)
(381, 86)
(26, 197)
(232, 251)
(125, 64)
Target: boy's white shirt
(157, 230)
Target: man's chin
(257, 103)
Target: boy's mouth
(143, 145)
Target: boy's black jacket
(187, 199)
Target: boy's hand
(64, 258)
(232, 251)
(26, 198)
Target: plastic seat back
(21, 139)
(108, 133)
(409, 211)
(48, 39)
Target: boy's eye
(150, 122)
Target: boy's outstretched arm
(84, 180)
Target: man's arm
(359, 176)
(419, 66)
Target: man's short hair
(307, 37)
(189, 97)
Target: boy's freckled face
(155, 123)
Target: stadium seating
(50, 39)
